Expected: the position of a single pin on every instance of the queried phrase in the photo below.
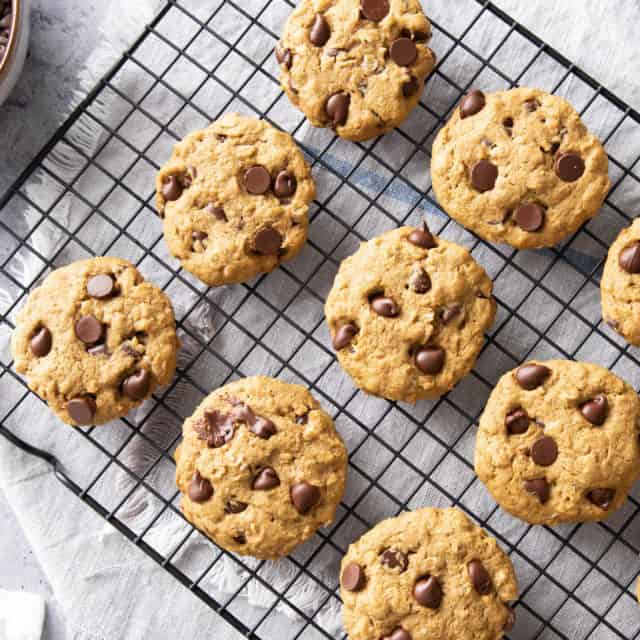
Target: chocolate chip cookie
(519, 167)
(261, 467)
(94, 340)
(620, 286)
(235, 199)
(358, 66)
(558, 442)
(430, 573)
(407, 314)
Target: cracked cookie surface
(425, 574)
(558, 442)
(357, 66)
(235, 199)
(407, 314)
(261, 467)
(94, 340)
(620, 285)
(519, 167)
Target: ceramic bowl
(13, 61)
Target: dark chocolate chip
(544, 451)
(531, 105)
(266, 479)
(285, 185)
(267, 241)
(375, 10)
(595, 411)
(257, 180)
(136, 386)
(304, 497)
(41, 342)
(82, 410)
(394, 559)
(427, 592)
(344, 335)
(601, 497)
(303, 418)
(89, 329)
(218, 212)
(411, 87)
(530, 216)
(337, 108)
(570, 167)
(172, 188)
(353, 578)
(283, 56)
(539, 487)
(480, 577)
(398, 634)
(508, 123)
(215, 428)
(101, 286)
(472, 103)
(451, 312)
(517, 422)
(403, 52)
(484, 175)
(240, 538)
(263, 427)
(422, 238)
(235, 506)
(384, 306)
(320, 31)
(419, 281)
(430, 360)
(531, 376)
(629, 259)
(200, 489)
(198, 236)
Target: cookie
(407, 314)
(429, 573)
(620, 285)
(235, 199)
(519, 167)
(358, 66)
(261, 467)
(558, 442)
(94, 340)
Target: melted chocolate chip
(403, 52)
(480, 577)
(283, 56)
(427, 592)
(422, 238)
(629, 259)
(89, 329)
(215, 428)
(530, 216)
(337, 108)
(266, 479)
(344, 335)
(595, 410)
(217, 212)
(82, 410)
(101, 286)
(450, 313)
(394, 559)
(484, 175)
(539, 487)
(472, 103)
(285, 185)
(430, 360)
(411, 87)
(517, 422)
(353, 577)
(530, 105)
(320, 31)
(172, 188)
(570, 167)
(531, 376)
(41, 342)
(200, 489)
(304, 497)
(257, 180)
(601, 497)
(419, 281)
(267, 241)
(235, 506)
(136, 386)
(375, 10)
(384, 306)
(544, 451)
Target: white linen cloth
(107, 587)
(21, 616)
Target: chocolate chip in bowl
(6, 24)
(14, 39)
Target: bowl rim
(4, 63)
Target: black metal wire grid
(551, 311)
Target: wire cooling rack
(576, 581)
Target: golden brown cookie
(519, 167)
(358, 66)
(558, 442)
(94, 340)
(426, 574)
(235, 199)
(407, 313)
(261, 467)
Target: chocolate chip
(531, 376)
(215, 428)
(398, 634)
(403, 52)
(601, 497)
(480, 577)
(41, 342)
(375, 10)
(337, 108)
(101, 286)
(422, 238)
(218, 212)
(136, 386)
(472, 103)
(421, 36)
(199, 236)
(451, 312)
(303, 418)
(263, 427)
(419, 281)
(394, 559)
(530, 105)
(430, 360)
(200, 489)
(629, 259)
(304, 497)
(267, 241)
(285, 185)
(427, 592)
(240, 538)
(595, 411)
(344, 335)
(99, 350)
(257, 180)
(320, 31)
(510, 622)
(353, 578)
(483, 176)
(539, 487)
(507, 123)
(171, 188)
(411, 87)
(266, 479)
(544, 451)
(570, 167)
(235, 506)
(517, 422)
(384, 306)
(530, 216)
(283, 56)
(89, 329)
(82, 410)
